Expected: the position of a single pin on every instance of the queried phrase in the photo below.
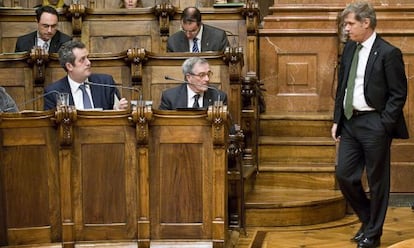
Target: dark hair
(66, 52)
(191, 14)
(362, 10)
(45, 9)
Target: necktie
(195, 46)
(86, 100)
(45, 46)
(195, 104)
(351, 84)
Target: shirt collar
(370, 41)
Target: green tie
(351, 84)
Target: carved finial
(136, 56)
(76, 12)
(164, 12)
(65, 117)
(38, 59)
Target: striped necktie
(195, 46)
(45, 46)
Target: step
(296, 149)
(299, 176)
(278, 206)
(296, 124)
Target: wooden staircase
(295, 184)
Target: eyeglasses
(203, 74)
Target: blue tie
(195, 46)
(86, 100)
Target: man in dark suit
(196, 36)
(73, 57)
(47, 36)
(368, 114)
(195, 92)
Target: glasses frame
(202, 74)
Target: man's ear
(69, 66)
(366, 22)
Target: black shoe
(359, 235)
(369, 243)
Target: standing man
(100, 92)
(47, 35)
(195, 92)
(196, 36)
(372, 90)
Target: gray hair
(362, 10)
(189, 64)
(66, 52)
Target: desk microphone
(201, 85)
(116, 87)
(37, 98)
(233, 36)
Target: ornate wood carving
(141, 118)
(164, 12)
(76, 12)
(92, 4)
(65, 117)
(252, 14)
(217, 114)
(233, 56)
(38, 59)
(136, 56)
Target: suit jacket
(213, 39)
(27, 42)
(103, 97)
(176, 97)
(7, 103)
(385, 85)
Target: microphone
(201, 85)
(37, 98)
(233, 36)
(116, 86)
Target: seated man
(195, 91)
(86, 90)
(47, 34)
(196, 36)
(7, 103)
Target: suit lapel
(182, 97)
(184, 43)
(204, 40)
(373, 55)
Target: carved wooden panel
(30, 181)
(104, 176)
(187, 179)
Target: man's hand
(333, 132)
(123, 104)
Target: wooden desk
(101, 177)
